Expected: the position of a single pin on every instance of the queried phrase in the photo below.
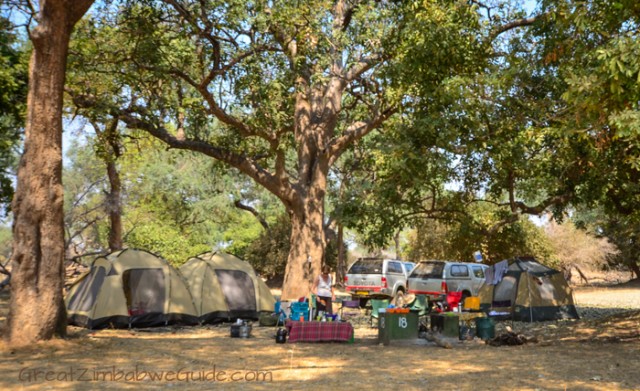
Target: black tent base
(228, 316)
(532, 314)
(137, 321)
(541, 314)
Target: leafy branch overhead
(259, 86)
(538, 125)
(476, 103)
(243, 73)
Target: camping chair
(376, 306)
(313, 306)
(349, 304)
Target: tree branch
(280, 189)
(355, 132)
(238, 204)
(79, 231)
(78, 9)
(216, 71)
(75, 258)
(514, 24)
(362, 66)
(523, 208)
(215, 109)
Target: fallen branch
(438, 340)
(511, 339)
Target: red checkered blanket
(319, 331)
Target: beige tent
(130, 288)
(529, 291)
(225, 288)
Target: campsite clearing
(594, 353)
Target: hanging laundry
(499, 269)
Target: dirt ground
(598, 352)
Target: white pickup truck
(435, 278)
(378, 278)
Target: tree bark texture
(110, 140)
(36, 309)
(114, 206)
(306, 256)
(341, 267)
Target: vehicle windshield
(409, 266)
(428, 270)
(366, 266)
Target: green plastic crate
(392, 326)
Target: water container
(472, 303)
(485, 328)
(299, 311)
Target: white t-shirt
(324, 287)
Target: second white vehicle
(436, 278)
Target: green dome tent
(225, 288)
(130, 288)
(530, 292)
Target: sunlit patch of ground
(599, 352)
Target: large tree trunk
(341, 267)
(115, 207)
(36, 309)
(306, 255)
(110, 140)
(307, 249)
(396, 241)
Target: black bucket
(281, 335)
(240, 330)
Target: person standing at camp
(323, 288)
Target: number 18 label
(402, 322)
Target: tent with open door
(225, 287)
(130, 288)
(529, 291)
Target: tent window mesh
(505, 292)
(144, 290)
(88, 290)
(238, 290)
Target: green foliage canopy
(13, 100)
(544, 120)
